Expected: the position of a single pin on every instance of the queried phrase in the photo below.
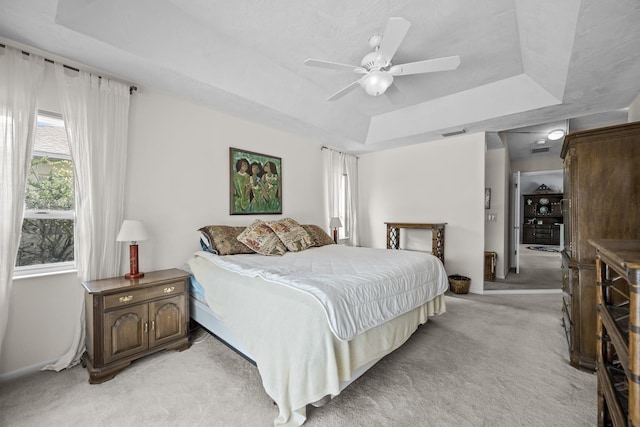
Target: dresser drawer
(544, 227)
(134, 296)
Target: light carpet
(528, 278)
(499, 360)
(539, 270)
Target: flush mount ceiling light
(555, 134)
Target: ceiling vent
(455, 132)
(538, 149)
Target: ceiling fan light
(376, 82)
(555, 134)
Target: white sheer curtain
(96, 115)
(341, 171)
(351, 172)
(21, 77)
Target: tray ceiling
(523, 63)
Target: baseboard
(27, 370)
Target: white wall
(439, 181)
(178, 174)
(177, 181)
(543, 163)
(634, 110)
(496, 231)
(530, 181)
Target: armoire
(601, 201)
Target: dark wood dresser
(128, 319)
(602, 201)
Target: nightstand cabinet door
(125, 332)
(167, 320)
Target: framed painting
(256, 183)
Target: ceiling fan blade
(393, 35)
(342, 92)
(395, 95)
(426, 66)
(332, 65)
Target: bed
(314, 320)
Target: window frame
(55, 267)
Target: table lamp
(132, 231)
(334, 224)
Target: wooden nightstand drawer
(135, 296)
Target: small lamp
(132, 231)
(334, 224)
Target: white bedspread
(299, 358)
(358, 288)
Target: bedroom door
(516, 222)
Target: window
(47, 230)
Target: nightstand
(129, 319)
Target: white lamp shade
(132, 231)
(335, 223)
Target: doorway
(534, 265)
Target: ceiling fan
(377, 67)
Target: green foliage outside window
(50, 185)
(49, 188)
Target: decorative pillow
(319, 236)
(205, 243)
(294, 237)
(261, 239)
(224, 240)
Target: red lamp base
(133, 264)
(335, 235)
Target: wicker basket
(459, 284)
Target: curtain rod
(324, 147)
(68, 67)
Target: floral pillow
(294, 237)
(223, 239)
(261, 239)
(319, 236)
